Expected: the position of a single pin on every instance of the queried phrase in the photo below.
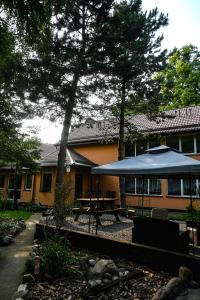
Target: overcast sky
(183, 29)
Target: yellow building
(95, 143)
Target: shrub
(53, 259)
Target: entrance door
(78, 185)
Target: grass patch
(16, 214)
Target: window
(183, 187)
(154, 142)
(141, 186)
(136, 186)
(173, 142)
(155, 186)
(187, 144)
(129, 149)
(174, 187)
(189, 187)
(12, 183)
(46, 180)
(198, 143)
(28, 182)
(130, 184)
(2, 179)
(141, 146)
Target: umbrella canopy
(158, 162)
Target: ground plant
(15, 214)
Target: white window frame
(182, 191)
(148, 188)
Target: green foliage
(180, 80)
(16, 214)
(54, 259)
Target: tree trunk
(64, 138)
(121, 144)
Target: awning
(158, 162)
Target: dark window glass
(189, 187)
(173, 142)
(174, 187)
(141, 186)
(46, 182)
(11, 182)
(187, 142)
(155, 187)
(129, 149)
(28, 183)
(2, 179)
(141, 146)
(130, 184)
(154, 142)
(198, 142)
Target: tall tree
(129, 57)
(62, 77)
(179, 81)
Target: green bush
(53, 259)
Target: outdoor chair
(159, 233)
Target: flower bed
(9, 228)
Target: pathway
(13, 259)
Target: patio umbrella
(158, 162)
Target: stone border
(153, 257)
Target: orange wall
(102, 154)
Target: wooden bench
(97, 213)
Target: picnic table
(97, 207)
(101, 203)
(97, 213)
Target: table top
(96, 199)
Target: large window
(173, 142)
(155, 186)
(198, 143)
(130, 184)
(183, 187)
(45, 185)
(187, 144)
(141, 146)
(129, 149)
(28, 182)
(174, 187)
(2, 179)
(139, 186)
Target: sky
(183, 29)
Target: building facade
(95, 143)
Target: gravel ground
(109, 229)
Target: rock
(190, 294)
(115, 278)
(27, 278)
(22, 290)
(185, 274)
(175, 286)
(102, 266)
(92, 262)
(6, 240)
(106, 280)
(160, 294)
(193, 284)
(107, 275)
